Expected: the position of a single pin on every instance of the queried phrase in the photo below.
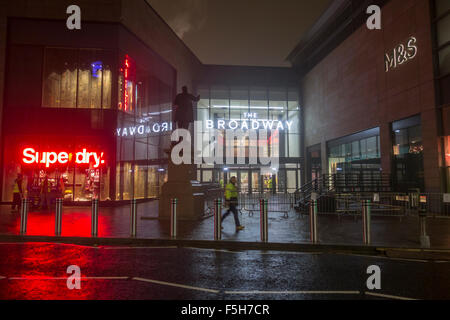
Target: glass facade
(77, 78)
(266, 105)
(443, 34)
(408, 153)
(144, 128)
(71, 179)
(130, 127)
(441, 26)
(358, 153)
(447, 161)
(240, 107)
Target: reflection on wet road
(39, 271)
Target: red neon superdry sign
(31, 156)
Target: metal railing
(276, 203)
(360, 205)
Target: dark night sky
(241, 32)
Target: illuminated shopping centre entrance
(254, 108)
(254, 179)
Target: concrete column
(324, 157)
(431, 159)
(386, 147)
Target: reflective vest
(45, 189)
(16, 188)
(231, 191)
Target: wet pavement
(294, 228)
(39, 271)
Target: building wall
(349, 91)
(143, 21)
(135, 15)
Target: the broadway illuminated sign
(144, 129)
(48, 158)
(401, 54)
(246, 124)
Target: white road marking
(65, 278)
(124, 248)
(387, 296)
(290, 252)
(47, 243)
(202, 249)
(381, 257)
(175, 285)
(273, 252)
(292, 292)
(2, 243)
(104, 278)
(1, 277)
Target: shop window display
(408, 153)
(358, 155)
(77, 78)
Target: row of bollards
(58, 217)
(94, 217)
(264, 226)
(365, 217)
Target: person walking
(17, 193)
(45, 189)
(231, 199)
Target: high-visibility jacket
(231, 191)
(45, 187)
(16, 188)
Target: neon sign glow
(31, 156)
(127, 95)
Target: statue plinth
(181, 185)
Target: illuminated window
(408, 153)
(77, 78)
(447, 151)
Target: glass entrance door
(244, 181)
(255, 181)
(268, 183)
(291, 177)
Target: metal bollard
(217, 219)
(366, 221)
(58, 216)
(24, 216)
(133, 222)
(173, 217)
(313, 220)
(264, 221)
(424, 238)
(94, 218)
